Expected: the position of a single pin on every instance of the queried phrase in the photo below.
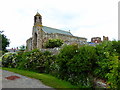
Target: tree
(51, 43)
(4, 41)
(22, 48)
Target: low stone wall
(54, 51)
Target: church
(41, 34)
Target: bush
(51, 43)
(8, 60)
(107, 63)
(65, 55)
(80, 65)
(34, 60)
(116, 46)
(76, 65)
(103, 52)
(113, 76)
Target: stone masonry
(41, 34)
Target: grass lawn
(44, 78)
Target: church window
(35, 40)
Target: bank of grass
(44, 78)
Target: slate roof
(53, 30)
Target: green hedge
(78, 65)
(33, 60)
(108, 62)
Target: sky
(84, 18)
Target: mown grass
(44, 78)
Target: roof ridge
(57, 29)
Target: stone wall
(54, 51)
(37, 37)
(29, 44)
(105, 38)
(96, 40)
(45, 37)
(66, 38)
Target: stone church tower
(37, 32)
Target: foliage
(116, 46)
(22, 48)
(76, 64)
(107, 63)
(113, 77)
(33, 60)
(66, 54)
(4, 41)
(8, 60)
(103, 54)
(51, 43)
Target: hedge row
(33, 60)
(78, 65)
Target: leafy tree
(4, 41)
(51, 43)
(22, 48)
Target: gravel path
(22, 82)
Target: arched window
(35, 19)
(35, 40)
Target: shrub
(76, 64)
(49, 61)
(33, 61)
(113, 77)
(81, 66)
(116, 46)
(36, 61)
(108, 63)
(51, 43)
(65, 55)
(8, 60)
(103, 52)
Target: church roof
(53, 30)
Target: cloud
(84, 18)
